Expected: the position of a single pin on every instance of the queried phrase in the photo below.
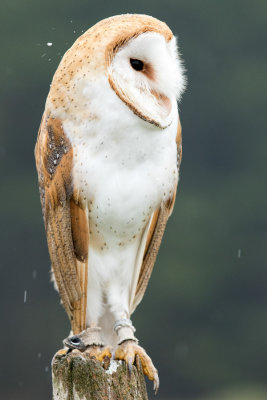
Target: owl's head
(139, 57)
(146, 73)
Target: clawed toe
(128, 351)
(130, 361)
(99, 353)
(156, 383)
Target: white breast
(123, 166)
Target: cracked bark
(77, 377)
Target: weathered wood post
(76, 376)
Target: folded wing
(65, 219)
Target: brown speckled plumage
(64, 219)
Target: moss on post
(77, 377)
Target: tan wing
(155, 232)
(65, 220)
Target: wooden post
(75, 376)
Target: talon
(105, 352)
(156, 383)
(106, 363)
(103, 355)
(130, 365)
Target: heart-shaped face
(146, 74)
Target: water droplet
(49, 44)
(25, 296)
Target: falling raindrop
(34, 274)
(39, 355)
(49, 44)
(238, 253)
(25, 296)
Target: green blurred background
(204, 316)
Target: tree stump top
(76, 376)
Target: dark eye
(138, 65)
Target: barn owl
(108, 154)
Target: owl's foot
(89, 342)
(100, 353)
(128, 351)
(103, 355)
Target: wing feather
(65, 220)
(80, 237)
